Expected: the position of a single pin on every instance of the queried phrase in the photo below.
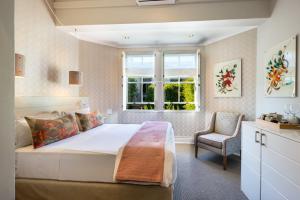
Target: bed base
(36, 189)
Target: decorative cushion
(47, 131)
(23, 134)
(213, 139)
(226, 122)
(89, 120)
(73, 113)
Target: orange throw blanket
(143, 156)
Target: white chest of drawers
(270, 163)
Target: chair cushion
(226, 122)
(213, 139)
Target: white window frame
(179, 82)
(141, 83)
(159, 80)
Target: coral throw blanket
(143, 156)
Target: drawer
(287, 148)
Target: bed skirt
(35, 189)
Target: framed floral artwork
(280, 70)
(228, 79)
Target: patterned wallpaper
(49, 53)
(102, 71)
(185, 124)
(239, 46)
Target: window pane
(180, 64)
(180, 72)
(140, 106)
(177, 106)
(171, 92)
(187, 92)
(139, 65)
(134, 92)
(148, 92)
(187, 80)
(134, 79)
(147, 79)
(171, 79)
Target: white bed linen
(89, 156)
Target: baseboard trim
(184, 140)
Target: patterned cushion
(226, 122)
(47, 131)
(213, 139)
(89, 120)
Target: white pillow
(23, 134)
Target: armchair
(222, 135)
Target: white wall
(49, 53)
(7, 169)
(284, 23)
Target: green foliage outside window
(187, 88)
(179, 95)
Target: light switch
(109, 111)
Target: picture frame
(228, 78)
(281, 69)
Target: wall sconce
(75, 77)
(19, 65)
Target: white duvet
(90, 156)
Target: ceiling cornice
(94, 12)
(78, 4)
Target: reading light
(75, 77)
(19, 65)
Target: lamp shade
(75, 77)
(19, 65)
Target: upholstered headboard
(33, 105)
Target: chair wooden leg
(225, 162)
(196, 151)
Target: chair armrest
(236, 132)
(209, 129)
(238, 126)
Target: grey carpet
(204, 178)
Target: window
(180, 81)
(139, 76)
(149, 84)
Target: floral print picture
(227, 78)
(280, 68)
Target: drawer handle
(256, 140)
(261, 138)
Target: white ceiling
(162, 34)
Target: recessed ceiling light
(191, 35)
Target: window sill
(162, 111)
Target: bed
(83, 167)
